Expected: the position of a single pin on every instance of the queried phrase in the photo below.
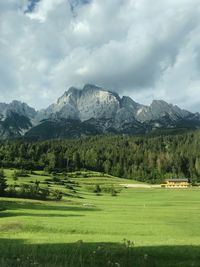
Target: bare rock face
(92, 110)
(17, 107)
(90, 102)
(15, 119)
(96, 102)
(158, 109)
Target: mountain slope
(61, 128)
(15, 119)
(90, 111)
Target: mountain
(91, 102)
(91, 111)
(15, 119)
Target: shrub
(30, 191)
(97, 189)
(69, 187)
(12, 190)
(57, 195)
(3, 184)
(19, 173)
(113, 192)
(60, 183)
(48, 180)
(110, 190)
(55, 179)
(15, 175)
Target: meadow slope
(138, 227)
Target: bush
(15, 175)
(60, 183)
(55, 179)
(19, 173)
(113, 192)
(30, 191)
(69, 187)
(3, 184)
(110, 190)
(97, 189)
(78, 173)
(57, 195)
(48, 180)
(12, 190)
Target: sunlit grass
(151, 218)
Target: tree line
(144, 158)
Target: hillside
(143, 158)
(91, 111)
(135, 228)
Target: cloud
(43, 8)
(138, 47)
(30, 6)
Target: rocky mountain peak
(159, 103)
(22, 109)
(160, 108)
(68, 96)
(93, 109)
(91, 87)
(17, 107)
(128, 102)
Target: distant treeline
(143, 158)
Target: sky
(145, 49)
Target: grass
(90, 230)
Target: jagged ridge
(92, 110)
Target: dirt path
(140, 186)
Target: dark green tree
(97, 189)
(3, 184)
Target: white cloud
(142, 48)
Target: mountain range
(90, 111)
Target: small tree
(113, 192)
(3, 184)
(57, 195)
(97, 189)
(12, 190)
(44, 192)
(15, 175)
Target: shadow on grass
(16, 253)
(14, 214)
(40, 209)
(43, 206)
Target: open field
(86, 229)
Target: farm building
(176, 183)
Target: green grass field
(138, 227)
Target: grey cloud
(135, 47)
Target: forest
(143, 158)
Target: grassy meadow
(137, 227)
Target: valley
(99, 133)
(136, 227)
